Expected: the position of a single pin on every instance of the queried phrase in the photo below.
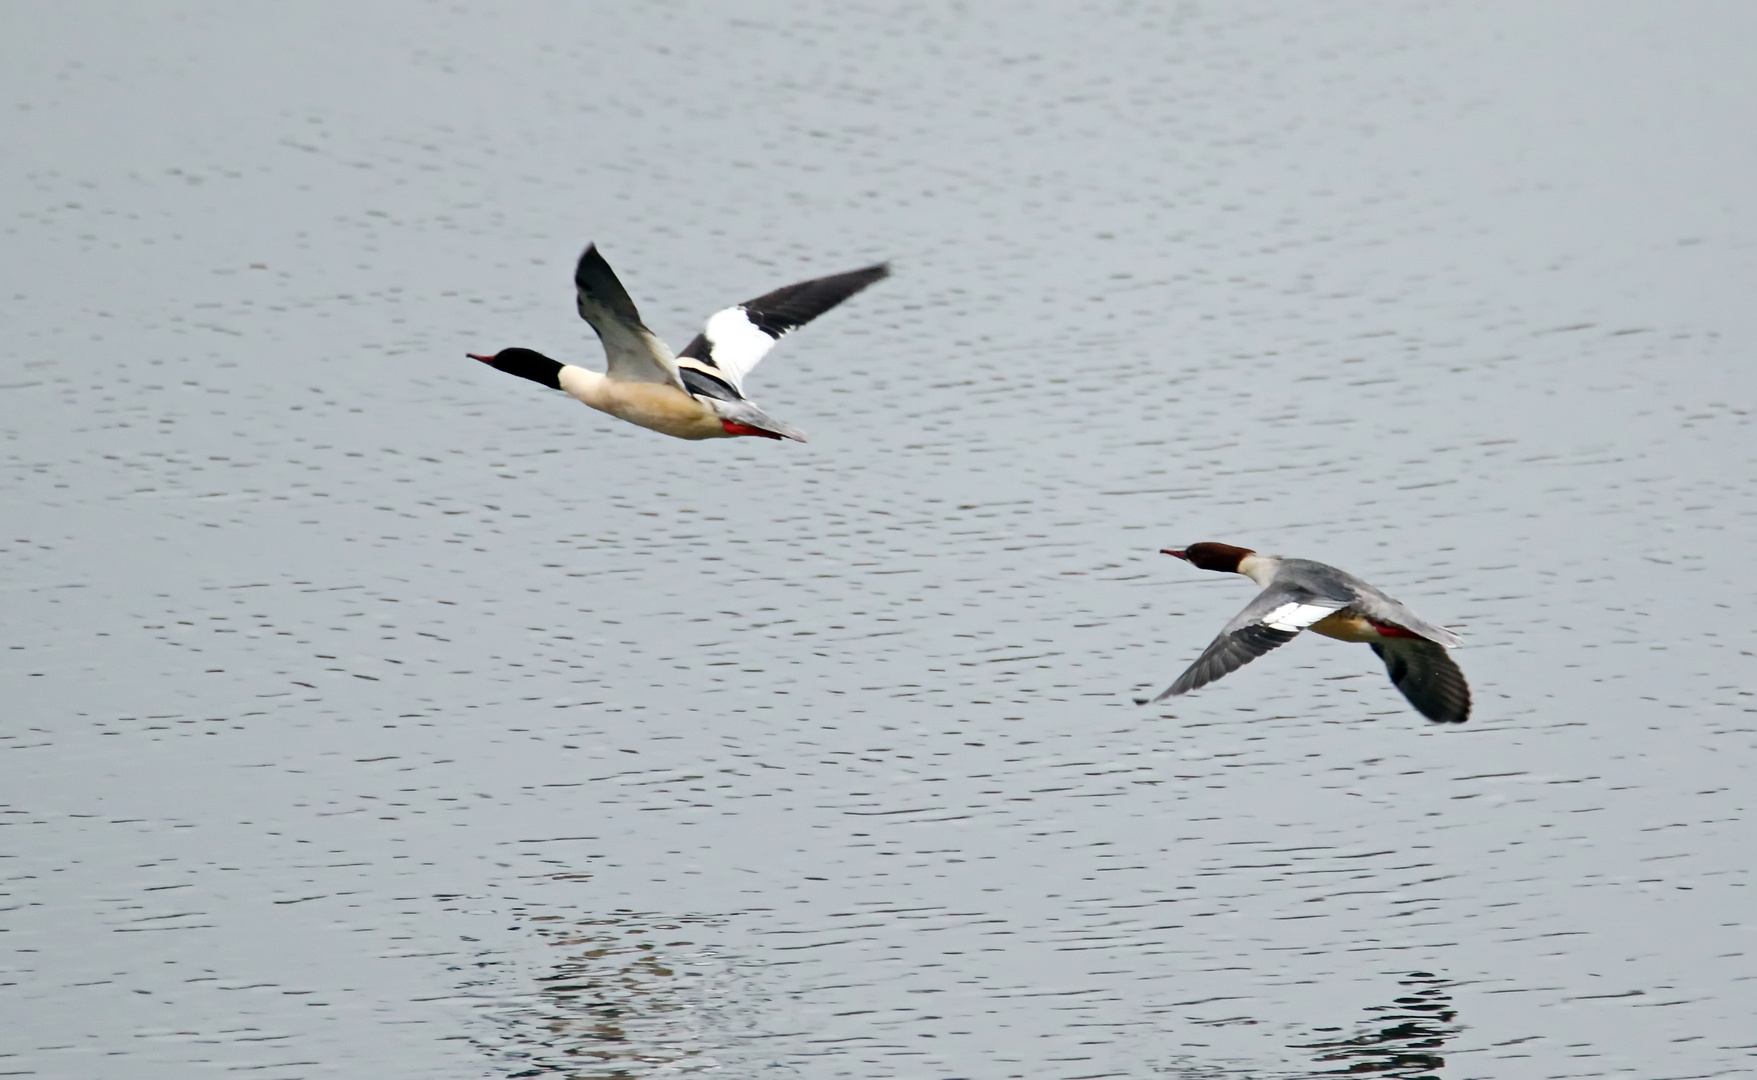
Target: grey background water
(371, 713)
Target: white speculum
(1295, 616)
(738, 343)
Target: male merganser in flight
(1299, 594)
(699, 393)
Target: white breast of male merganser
(698, 393)
(1299, 594)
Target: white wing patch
(1293, 616)
(735, 343)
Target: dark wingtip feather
(1226, 654)
(793, 306)
(596, 281)
(1428, 677)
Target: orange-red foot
(734, 428)
(1387, 630)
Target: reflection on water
(1403, 1039)
(634, 996)
(640, 994)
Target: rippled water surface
(371, 713)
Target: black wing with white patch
(737, 338)
(634, 354)
(1273, 619)
(1428, 677)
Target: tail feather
(746, 414)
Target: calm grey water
(371, 713)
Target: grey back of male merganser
(1300, 594)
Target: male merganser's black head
(526, 364)
(1211, 556)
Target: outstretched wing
(1428, 677)
(1274, 618)
(737, 338)
(635, 354)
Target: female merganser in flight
(1299, 594)
(699, 393)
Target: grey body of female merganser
(1299, 594)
